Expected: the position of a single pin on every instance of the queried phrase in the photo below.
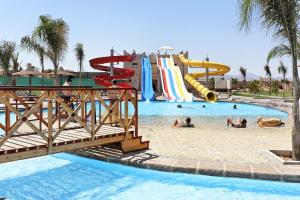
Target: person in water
(186, 124)
(234, 106)
(240, 123)
(203, 106)
(179, 106)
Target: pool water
(161, 113)
(211, 109)
(65, 176)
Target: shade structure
(29, 71)
(61, 72)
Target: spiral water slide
(172, 82)
(119, 73)
(218, 70)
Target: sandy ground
(218, 143)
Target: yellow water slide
(218, 70)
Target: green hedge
(37, 81)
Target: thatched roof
(62, 72)
(29, 71)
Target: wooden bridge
(51, 123)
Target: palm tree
(244, 75)
(31, 44)
(79, 52)
(53, 35)
(15, 65)
(281, 17)
(282, 69)
(7, 49)
(269, 75)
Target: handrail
(85, 98)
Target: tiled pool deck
(216, 151)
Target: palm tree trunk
(56, 81)
(270, 82)
(296, 123)
(244, 85)
(42, 65)
(80, 74)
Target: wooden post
(50, 110)
(7, 116)
(126, 114)
(93, 114)
(111, 71)
(82, 106)
(41, 117)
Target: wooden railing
(49, 113)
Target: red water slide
(119, 73)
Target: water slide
(218, 70)
(172, 82)
(119, 73)
(147, 89)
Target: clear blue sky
(206, 27)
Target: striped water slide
(170, 81)
(164, 81)
(178, 80)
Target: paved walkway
(217, 150)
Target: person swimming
(179, 106)
(234, 106)
(203, 106)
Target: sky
(204, 28)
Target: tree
(31, 44)
(269, 75)
(281, 17)
(283, 70)
(234, 82)
(254, 87)
(244, 75)
(211, 83)
(79, 52)
(275, 87)
(7, 49)
(53, 35)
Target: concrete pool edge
(145, 160)
(183, 165)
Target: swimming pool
(211, 109)
(65, 176)
(162, 113)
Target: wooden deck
(35, 135)
(31, 144)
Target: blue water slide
(147, 89)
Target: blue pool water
(161, 113)
(211, 109)
(65, 176)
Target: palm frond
(279, 51)
(267, 70)
(243, 71)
